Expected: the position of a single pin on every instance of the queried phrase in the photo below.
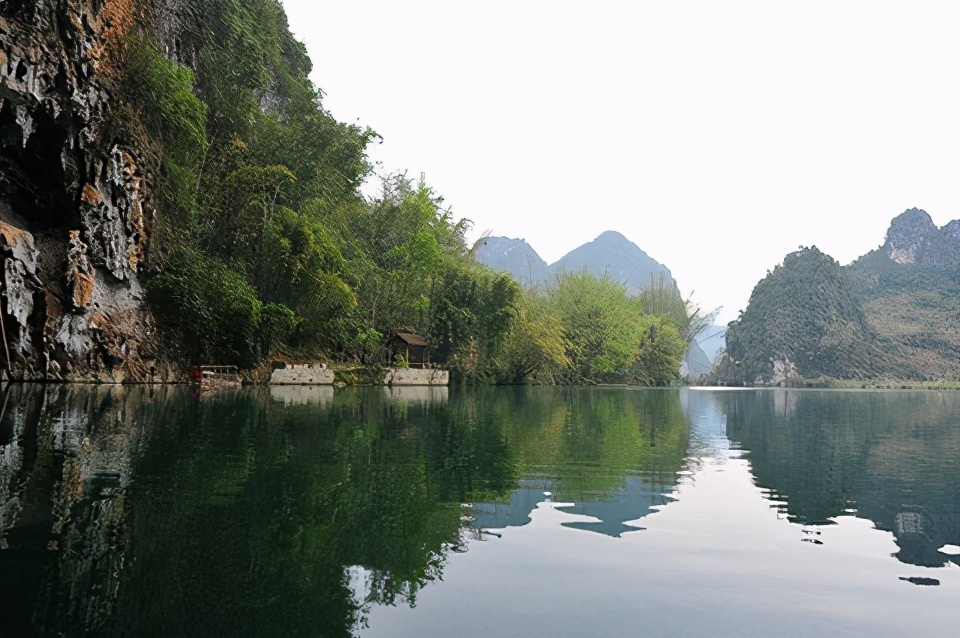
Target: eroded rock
(80, 276)
(913, 238)
(75, 310)
(105, 232)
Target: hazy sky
(717, 136)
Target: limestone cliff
(74, 210)
(913, 238)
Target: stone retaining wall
(302, 375)
(417, 376)
(319, 374)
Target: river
(154, 511)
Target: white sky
(717, 136)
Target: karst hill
(891, 314)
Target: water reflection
(610, 456)
(65, 463)
(145, 511)
(620, 512)
(890, 457)
(302, 394)
(418, 393)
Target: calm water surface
(487, 512)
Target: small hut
(413, 348)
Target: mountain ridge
(633, 266)
(516, 257)
(613, 254)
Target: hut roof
(411, 339)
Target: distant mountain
(516, 257)
(712, 341)
(696, 361)
(609, 254)
(910, 289)
(613, 254)
(804, 319)
(893, 313)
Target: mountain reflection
(890, 457)
(612, 455)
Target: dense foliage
(262, 244)
(583, 329)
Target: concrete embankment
(302, 374)
(319, 374)
(415, 376)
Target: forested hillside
(216, 193)
(890, 315)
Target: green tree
(602, 325)
(665, 301)
(169, 121)
(661, 349)
(536, 347)
(212, 309)
(472, 312)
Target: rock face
(74, 210)
(913, 238)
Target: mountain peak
(611, 254)
(952, 229)
(612, 236)
(515, 256)
(913, 238)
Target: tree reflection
(613, 453)
(138, 511)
